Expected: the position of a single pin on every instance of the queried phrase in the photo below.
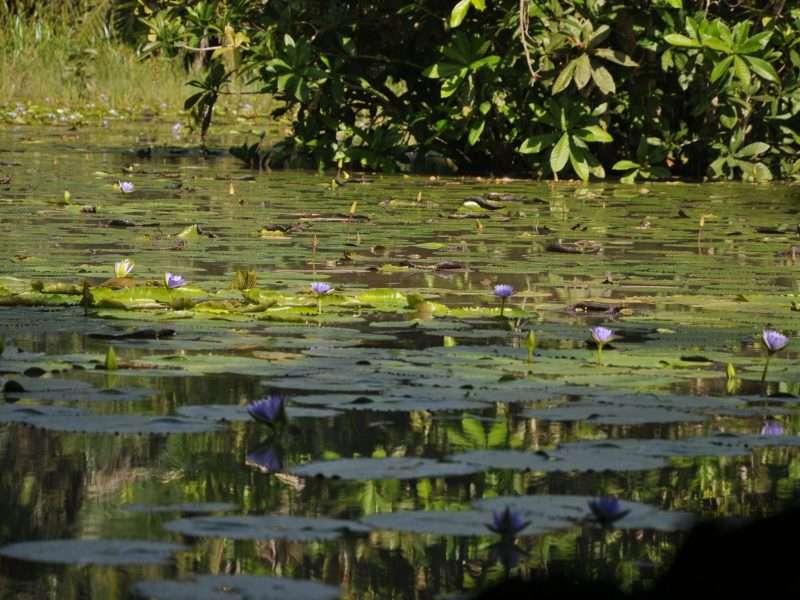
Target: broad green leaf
(742, 71)
(624, 165)
(475, 132)
(579, 163)
(537, 143)
(763, 69)
(616, 56)
(563, 79)
(758, 42)
(717, 44)
(459, 12)
(721, 68)
(676, 39)
(752, 150)
(560, 154)
(583, 71)
(595, 133)
(604, 80)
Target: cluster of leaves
(572, 87)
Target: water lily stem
(600, 354)
(319, 306)
(502, 306)
(766, 368)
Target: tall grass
(53, 58)
(70, 54)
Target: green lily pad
(92, 552)
(232, 412)
(553, 509)
(395, 467)
(266, 527)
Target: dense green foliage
(643, 89)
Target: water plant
(173, 280)
(123, 268)
(504, 292)
(530, 344)
(270, 410)
(507, 523)
(110, 363)
(320, 289)
(601, 337)
(607, 510)
(772, 427)
(774, 341)
(126, 187)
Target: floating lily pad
(426, 400)
(576, 457)
(236, 587)
(613, 415)
(266, 527)
(394, 467)
(235, 412)
(553, 509)
(92, 552)
(73, 420)
(448, 522)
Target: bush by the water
(577, 87)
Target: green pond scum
(457, 365)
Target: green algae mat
(150, 294)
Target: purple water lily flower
(774, 340)
(123, 268)
(607, 510)
(320, 288)
(172, 280)
(270, 410)
(177, 130)
(507, 523)
(772, 427)
(265, 459)
(126, 187)
(602, 335)
(503, 290)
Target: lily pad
(266, 527)
(576, 457)
(552, 509)
(73, 420)
(92, 552)
(613, 415)
(448, 522)
(394, 467)
(235, 412)
(236, 587)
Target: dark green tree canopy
(646, 89)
